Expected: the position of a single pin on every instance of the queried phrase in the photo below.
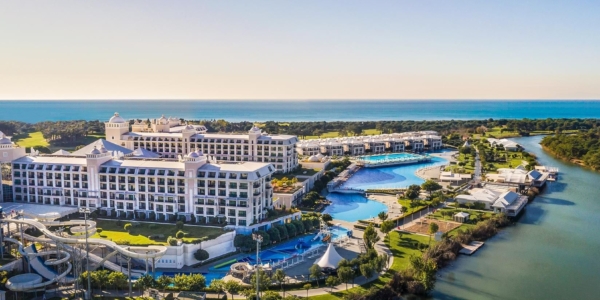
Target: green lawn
(411, 210)
(334, 134)
(402, 248)
(139, 234)
(32, 139)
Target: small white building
(510, 203)
(508, 145)
(461, 217)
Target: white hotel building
(170, 138)
(137, 184)
(360, 145)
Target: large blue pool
(354, 207)
(282, 251)
(382, 157)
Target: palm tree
(307, 287)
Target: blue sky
(299, 50)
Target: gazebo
(461, 217)
(330, 259)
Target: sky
(299, 49)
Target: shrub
(179, 225)
(172, 241)
(127, 227)
(201, 254)
(119, 223)
(179, 234)
(152, 226)
(99, 230)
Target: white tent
(330, 259)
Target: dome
(255, 129)
(163, 120)
(116, 119)
(5, 141)
(193, 154)
(320, 156)
(313, 158)
(189, 127)
(199, 152)
(95, 151)
(103, 149)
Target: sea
(296, 110)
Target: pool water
(354, 207)
(382, 157)
(274, 254)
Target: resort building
(519, 177)
(171, 139)
(374, 144)
(455, 178)
(508, 145)
(136, 184)
(496, 198)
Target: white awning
(330, 259)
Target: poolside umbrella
(330, 259)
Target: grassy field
(496, 133)
(139, 234)
(334, 134)
(411, 210)
(402, 247)
(37, 139)
(32, 139)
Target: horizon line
(311, 99)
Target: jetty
(471, 247)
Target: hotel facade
(170, 138)
(139, 185)
(373, 144)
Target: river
(551, 253)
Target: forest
(582, 146)
(59, 133)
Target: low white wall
(183, 255)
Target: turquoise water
(314, 110)
(383, 157)
(354, 207)
(282, 251)
(552, 253)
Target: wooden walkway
(470, 248)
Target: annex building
(170, 138)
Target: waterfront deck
(471, 248)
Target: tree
(386, 226)
(180, 281)
(279, 276)
(127, 227)
(180, 234)
(197, 281)
(145, 282)
(307, 287)
(163, 282)
(367, 270)
(101, 277)
(382, 216)
(345, 274)
(431, 186)
(271, 295)
(264, 281)
(117, 280)
(326, 218)
(232, 287)
(315, 272)
(370, 236)
(291, 229)
(403, 209)
(332, 281)
(433, 228)
(201, 255)
(424, 271)
(218, 285)
(274, 234)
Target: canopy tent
(330, 259)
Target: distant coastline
(310, 110)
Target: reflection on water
(552, 253)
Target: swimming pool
(354, 207)
(384, 157)
(282, 251)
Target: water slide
(30, 281)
